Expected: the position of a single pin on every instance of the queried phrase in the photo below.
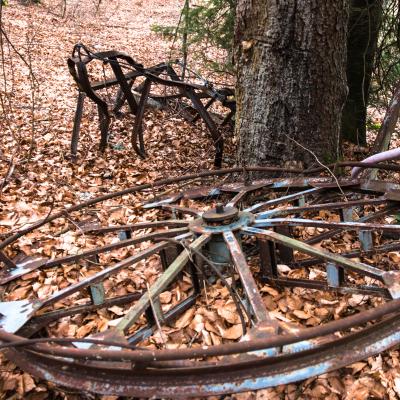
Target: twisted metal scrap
(162, 74)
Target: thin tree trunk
(364, 24)
(291, 83)
(382, 140)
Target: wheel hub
(231, 219)
(221, 215)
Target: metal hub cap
(221, 215)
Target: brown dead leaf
(185, 319)
(25, 384)
(229, 313)
(267, 289)
(116, 310)
(84, 330)
(19, 293)
(165, 297)
(9, 382)
(394, 256)
(301, 314)
(358, 366)
(197, 323)
(234, 332)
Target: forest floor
(38, 99)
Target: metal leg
(228, 118)
(137, 133)
(212, 127)
(77, 124)
(104, 122)
(125, 87)
(121, 98)
(206, 107)
(285, 252)
(268, 264)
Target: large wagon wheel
(230, 232)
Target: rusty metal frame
(271, 352)
(162, 74)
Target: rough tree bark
(364, 24)
(291, 58)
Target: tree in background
(291, 85)
(204, 25)
(373, 50)
(363, 29)
(386, 73)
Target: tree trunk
(291, 86)
(364, 23)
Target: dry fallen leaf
(185, 319)
(301, 314)
(234, 332)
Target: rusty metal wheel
(250, 237)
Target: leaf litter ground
(38, 102)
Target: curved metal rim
(263, 373)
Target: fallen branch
(382, 140)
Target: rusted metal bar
(14, 314)
(327, 286)
(11, 274)
(350, 254)
(369, 217)
(349, 225)
(40, 321)
(360, 268)
(248, 282)
(284, 199)
(161, 284)
(94, 228)
(137, 133)
(319, 207)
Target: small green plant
(373, 126)
(208, 24)
(4, 2)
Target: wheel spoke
(263, 223)
(318, 207)
(9, 275)
(161, 284)
(163, 201)
(284, 199)
(237, 198)
(360, 268)
(369, 217)
(246, 190)
(182, 210)
(171, 223)
(249, 284)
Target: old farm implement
(125, 74)
(198, 232)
